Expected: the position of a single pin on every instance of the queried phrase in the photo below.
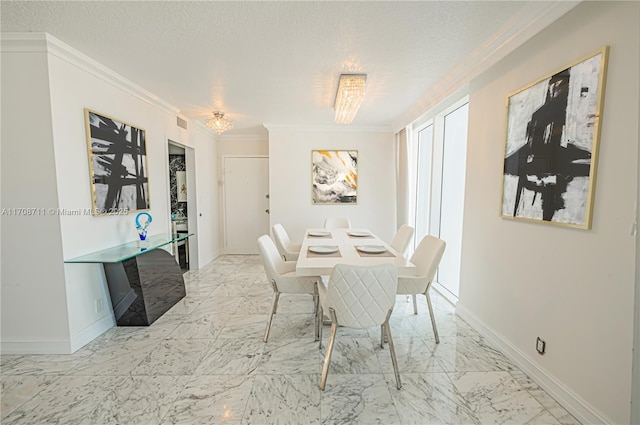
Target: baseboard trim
(563, 395)
(59, 347)
(35, 347)
(91, 332)
(440, 289)
(217, 253)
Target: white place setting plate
(359, 234)
(371, 249)
(319, 234)
(323, 249)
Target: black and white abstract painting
(334, 176)
(118, 165)
(551, 145)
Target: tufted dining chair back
(361, 296)
(358, 297)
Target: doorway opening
(179, 202)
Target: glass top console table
(129, 250)
(144, 281)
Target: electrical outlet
(540, 345)
(99, 305)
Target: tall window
(440, 146)
(423, 181)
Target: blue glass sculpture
(142, 227)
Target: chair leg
(392, 350)
(415, 304)
(383, 336)
(319, 324)
(327, 356)
(274, 307)
(316, 301)
(433, 318)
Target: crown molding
(329, 128)
(532, 19)
(197, 124)
(18, 42)
(46, 43)
(247, 137)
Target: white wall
(573, 288)
(208, 212)
(243, 145)
(290, 178)
(77, 82)
(34, 306)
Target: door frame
(635, 361)
(192, 199)
(224, 191)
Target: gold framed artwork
(551, 148)
(117, 165)
(334, 177)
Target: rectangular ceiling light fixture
(349, 97)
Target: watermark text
(62, 211)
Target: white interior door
(246, 203)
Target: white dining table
(350, 244)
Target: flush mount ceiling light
(349, 97)
(219, 123)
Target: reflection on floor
(204, 362)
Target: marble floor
(204, 362)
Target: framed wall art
(551, 150)
(117, 165)
(334, 177)
(181, 185)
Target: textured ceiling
(279, 62)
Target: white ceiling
(279, 62)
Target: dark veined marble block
(144, 287)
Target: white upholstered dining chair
(358, 297)
(283, 278)
(337, 223)
(287, 249)
(401, 239)
(426, 258)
